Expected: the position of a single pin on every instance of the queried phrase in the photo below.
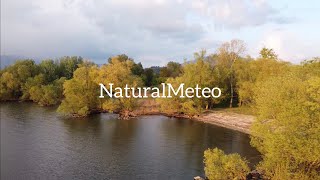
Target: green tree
(49, 69)
(198, 72)
(266, 53)
(45, 95)
(250, 72)
(137, 69)
(172, 69)
(121, 58)
(176, 105)
(149, 77)
(228, 54)
(220, 166)
(52, 93)
(67, 65)
(287, 131)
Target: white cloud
(288, 45)
(238, 13)
(143, 29)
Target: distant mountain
(8, 60)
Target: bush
(218, 165)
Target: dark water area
(38, 143)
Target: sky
(155, 32)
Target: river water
(38, 143)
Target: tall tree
(68, 65)
(81, 92)
(248, 73)
(174, 69)
(137, 69)
(229, 53)
(195, 73)
(49, 69)
(149, 77)
(119, 73)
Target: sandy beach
(227, 119)
(231, 120)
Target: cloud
(146, 29)
(45, 30)
(289, 45)
(239, 13)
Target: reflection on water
(37, 143)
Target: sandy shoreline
(230, 120)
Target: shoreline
(229, 120)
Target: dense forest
(284, 97)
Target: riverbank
(221, 117)
(230, 120)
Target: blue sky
(155, 32)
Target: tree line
(285, 98)
(42, 83)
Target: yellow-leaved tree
(219, 165)
(287, 130)
(81, 92)
(194, 73)
(119, 73)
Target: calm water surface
(37, 143)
